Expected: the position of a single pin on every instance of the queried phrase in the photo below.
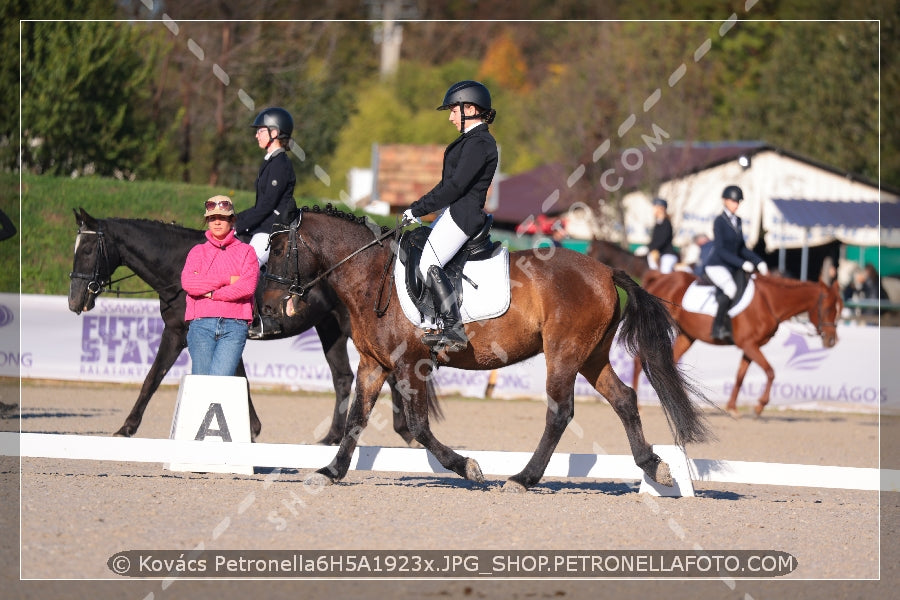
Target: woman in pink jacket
(219, 277)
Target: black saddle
(412, 243)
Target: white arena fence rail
(409, 460)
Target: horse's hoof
(413, 443)
(513, 487)
(122, 433)
(318, 480)
(473, 471)
(757, 410)
(734, 413)
(329, 441)
(663, 476)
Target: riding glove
(763, 268)
(408, 218)
(748, 266)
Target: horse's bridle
(294, 286)
(292, 282)
(96, 282)
(821, 317)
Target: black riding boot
(452, 337)
(262, 328)
(721, 330)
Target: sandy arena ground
(76, 514)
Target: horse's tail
(647, 332)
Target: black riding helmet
(276, 118)
(733, 192)
(469, 92)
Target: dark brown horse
(617, 257)
(564, 304)
(776, 299)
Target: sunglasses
(223, 204)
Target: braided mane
(331, 211)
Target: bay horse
(563, 304)
(156, 253)
(617, 257)
(776, 299)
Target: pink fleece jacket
(210, 267)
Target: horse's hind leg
(334, 343)
(560, 410)
(624, 401)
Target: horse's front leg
(414, 387)
(172, 341)
(756, 355)
(370, 377)
(334, 343)
(255, 425)
(731, 407)
(399, 413)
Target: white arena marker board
(295, 456)
(211, 409)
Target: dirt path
(75, 515)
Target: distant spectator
(864, 288)
(829, 271)
(696, 253)
(661, 255)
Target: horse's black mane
(154, 222)
(331, 211)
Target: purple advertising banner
(118, 340)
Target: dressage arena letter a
(215, 410)
(211, 409)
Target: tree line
(122, 90)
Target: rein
(293, 284)
(97, 284)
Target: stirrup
(447, 339)
(722, 334)
(263, 328)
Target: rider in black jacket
(274, 196)
(729, 256)
(469, 165)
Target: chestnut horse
(776, 299)
(563, 304)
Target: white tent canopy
(796, 202)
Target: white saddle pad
(490, 299)
(702, 299)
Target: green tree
(84, 84)
(818, 94)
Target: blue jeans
(216, 345)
